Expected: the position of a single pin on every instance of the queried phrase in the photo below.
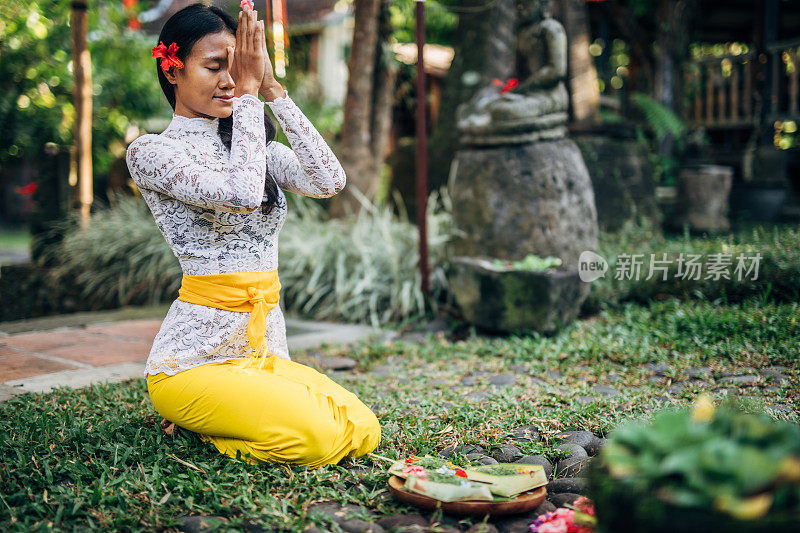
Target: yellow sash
(243, 292)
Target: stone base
(515, 131)
(515, 301)
(513, 200)
(621, 174)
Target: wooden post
(748, 87)
(793, 85)
(775, 86)
(422, 148)
(721, 99)
(697, 79)
(709, 95)
(82, 98)
(773, 81)
(736, 65)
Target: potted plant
(701, 190)
(702, 469)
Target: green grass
(95, 457)
(16, 239)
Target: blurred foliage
(326, 117)
(36, 79)
(658, 122)
(778, 267)
(120, 259)
(441, 19)
(730, 459)
(661, 120)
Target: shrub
(728, 467)
(778, 276)
(120, 259)
(361, 269)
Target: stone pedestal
(515, 301)
(702, 199)
(515, 200)
(622, 177)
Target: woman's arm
(309, 167)
(157, 163)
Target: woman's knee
(372, 437)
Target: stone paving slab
(48, 340)
(108, 351)
(77, 378)
(16, 365)
(144, 330)
(104, 352)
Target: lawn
(15, 238)
(96, 458)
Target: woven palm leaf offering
(712, 467)
(445, 481)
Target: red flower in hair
(168, 55)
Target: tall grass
(778, 277)
(364, 268)
(120, 259)
(360, 269)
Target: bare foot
(168, 427)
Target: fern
(661, 120)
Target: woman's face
(205, 76)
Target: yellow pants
(286, 412)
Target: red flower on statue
(460, 473)
(168, 55)
(507, 85)
(27, 190)
(246, 3)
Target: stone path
(77, 356)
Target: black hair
(185, 28)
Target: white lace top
(206, 202)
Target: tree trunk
(386, 70)
(670, 53)
(639, 40)
(584, 95)
(355, 147)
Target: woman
(219, 365)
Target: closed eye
(213, 69)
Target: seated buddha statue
(537, 106)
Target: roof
(437, 58)
(304, 11)
(304, 15)
(719, 21)
(734, 20)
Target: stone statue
(537, 108)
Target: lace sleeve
(160, 164)
(309, 167)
